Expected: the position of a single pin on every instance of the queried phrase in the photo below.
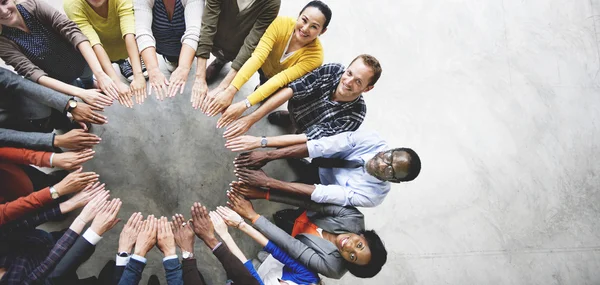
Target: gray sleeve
(12, 84)
(325, 209)
(298, 250)
(40, 141)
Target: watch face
(72, 103)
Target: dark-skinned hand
(76, 139)
(247, 191)
(251, 177)
(84, 113)
(184, 234)
(241, 206)
(253, 160)
(201, 223)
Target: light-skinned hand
(238, 127)
(165, 238)
(212, 94)
(232, 113)
(199, 91)
(106, 218)
(91, 209)
(220, 101)
(146, 239)
(108, 86)
(218, 224)
(124, 95)
(83, 197)
(75, 181)
(130, 232)
(230, 217)
(178, 79)
(72, 159)
(76, 139)
(241, 206)
(158, 83)
(243, 143)
(96, 100)
(183, 232)
(138, 88)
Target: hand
(124, 95)
(209, 98)
(75, 181)
(253, 160)
(241, 206)
(201, 223)
(220, 101)
(130, 232)
(218, 224)
(165, 238)
(106, 218)
(91, 209)
(238, 127)
(138, 88)
(108, 86)
(158, 83)
(230, 217)
(243, 143)
(198, 92)
(184, 234)
(247, 191)
(146, 238)
(177, 80)
(233, 112)
(95, 99)
(76, 139)
(251, 177)
(72, 159)
(83, 197)
(83, 113)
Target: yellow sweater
(267, 56)
(110, 31)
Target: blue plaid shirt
(312, 110)
(30, 255)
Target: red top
(303, 225)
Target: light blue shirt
(349, 186)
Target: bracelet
(51, 156)
(240, 223)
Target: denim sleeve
(173, 271)
(133, 272)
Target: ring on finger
(183, 224)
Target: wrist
(98, 230)
(140, 252)
(211, 242)
(170, 252)
(65, 207)
(125, 248)
(188, 247)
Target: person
(288, 50)
(325, 102)
(65, 271)
(44, 46)
(200, 224)
(29, 112)
(230, 30)
(278, 265)
(20, 179)
(153, 232)
(127, 240)
(29, 255)
(172, 29)
(351, 168)
(328, 239)
(110, 27)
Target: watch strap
(53, 193)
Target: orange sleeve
(25, 156)
(15, 209)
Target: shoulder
(29, 5)
(332, 68)
(73, 6)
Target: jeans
(86, 80)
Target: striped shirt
(167, 33)
(312, 110)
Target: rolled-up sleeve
(143, 24)
(330, 146)
(193, 21)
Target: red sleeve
(25, 156)
(15, 209)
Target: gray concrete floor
(499, 98)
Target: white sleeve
(193, 10)
(143, 23)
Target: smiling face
(9, 15)
(389, 165)
(309, 25)
(354, 248)
(354, 81)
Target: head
(312, 21)
(395, 165)
(360, 77)
(96, 3)
(9, 15)
(364, 252)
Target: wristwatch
(187, 254)
(263, 141)
(72, 105)
(54, 193)
(248, 104)
(123, 254)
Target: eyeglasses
(389, 170)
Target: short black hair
(323, 8)
(414, 165)
(378, 256)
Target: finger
(131, 220)
(231, 132)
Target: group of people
(65, 57)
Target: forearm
(150, 59)
(90, 57)
(228, 79)
(254, 234)
(271, 104)
(77, 225)
(13, 210)
(299, 189)
(186, 56)
(228, 240)
(60, 86)
(286, 140)
(200, 68)
(293, 151)
(105, 61)
(134, 54)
